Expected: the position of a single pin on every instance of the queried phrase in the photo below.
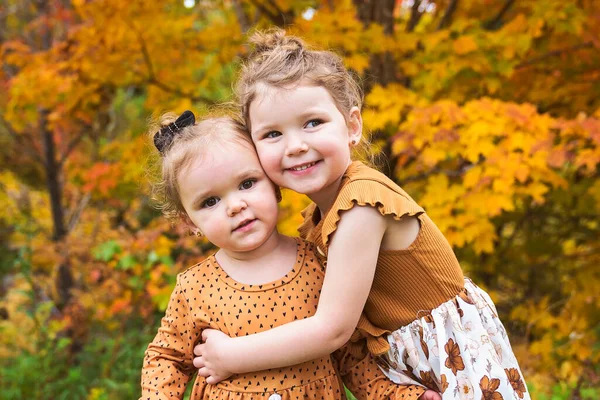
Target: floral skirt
(460, 349)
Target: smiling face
(303, 140)
(227, 195)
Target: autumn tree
(485, 111)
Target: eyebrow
(252, 172)
(264, 128)
(249, 173)
(199, 200)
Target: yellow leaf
(163, 246)
(569, 247)
(464, 45)
(522, 173)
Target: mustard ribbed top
(408, 283)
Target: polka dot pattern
(206, 297)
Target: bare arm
(350, 270)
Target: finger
(211, 380)
(217, 378)
(198, 350)
(198, 362)
(207, 333)
(204, 372)
(431, 395)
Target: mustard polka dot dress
(206, 297)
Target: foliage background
(486, 111)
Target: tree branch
(554, 53)
(28, 148)
(264, 10)
(415, 16)
(78, 211)
(70, 147)
(152, 80)
(445, 21)
(277, 19)
(241, 15)
(276, 7)
(496, 22)
(179, 92)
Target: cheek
(211, 224)
(269, 160)
(336, 149)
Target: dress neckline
(246, 287)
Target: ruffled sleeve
(372, 192)
(307, 225)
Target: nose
(235, 205)
(295, 145)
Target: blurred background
(486, 111)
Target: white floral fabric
(460, 349)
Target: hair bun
(276, 38)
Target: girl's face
(227, 195)
(303, 140)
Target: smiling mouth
(244, 223)
(303, 166)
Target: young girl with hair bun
(259, 279)
(425, 322)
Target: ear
(188, 222)
(354, 126)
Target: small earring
(353, 142)
(197, 232)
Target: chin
(308, 189)
(251, 245)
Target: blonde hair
(279, 60)
(186, 146)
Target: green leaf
(126, 262)
(167, 260)
(152, 258)
(135, 282)
(106, 251)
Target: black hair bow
(164, 137)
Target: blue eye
(210, 202)
(313, 123)
(271, 135)
(247, 184)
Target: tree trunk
(53, 169)
(51, 165)
(53, 172)
(382, 67)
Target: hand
(430, 395)
(209, 363)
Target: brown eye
(247, 184)
(210, 202)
